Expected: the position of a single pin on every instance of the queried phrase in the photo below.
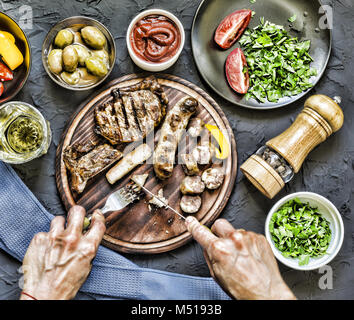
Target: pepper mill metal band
(320, 118)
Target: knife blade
(159, 199)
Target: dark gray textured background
(327, 171)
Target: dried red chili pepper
(237, 71)
(232, 27)
(5, 73)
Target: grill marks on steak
(108, 118)
(130, 116)
(133, 113)
(84, 161)
(121, 119)
(136, 133)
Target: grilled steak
(133, 113)
(86, 161)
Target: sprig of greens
(279, 65)
(292, 18)
(300, 231)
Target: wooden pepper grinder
(274, 164)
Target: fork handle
(110, 219)
(106, 209)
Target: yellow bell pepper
(9, 52)
(8, 35)
(224, 145)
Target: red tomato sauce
(155, 38)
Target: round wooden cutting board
(138, 229)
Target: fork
(118, 200)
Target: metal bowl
(22, 72)
(67, 23)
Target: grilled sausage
(171, 133)
(190, 204)
(192, 185)
(213, 178)
(196, 127)
(189, 165)
(203, 153)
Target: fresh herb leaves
(299, 231)
(292, 18)
(279, 65)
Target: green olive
(96, 66)
(102, 54)
(82, 52)
(87, 223)
(55, 61)
(78, 38)
(70, 58)
(64, 38)
(86, 77)
(71, 78)
(93, 37)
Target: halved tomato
(5, 73)
(237, 71)
(232, 27)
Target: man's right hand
(241, 262)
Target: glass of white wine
(24, 133)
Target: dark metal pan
(210, 60)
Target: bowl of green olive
(78, 53)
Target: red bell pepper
(237, 71)
(232, 27)
(5, 73)
(1, 88)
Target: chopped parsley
(300, 231)
(292, 18)
(279, 65)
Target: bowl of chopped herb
(305, 231)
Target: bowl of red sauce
(155, 40)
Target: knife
(159, 199)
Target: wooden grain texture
(136, 229)
(262, 176)
(317, 121)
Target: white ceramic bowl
(329, 211)
(151, 66)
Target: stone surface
(328, 170)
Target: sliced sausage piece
(204, 153)
(190, 204)
(195, 127)
(192, 185)
(189, 165)
(140, 179)
(213, 178)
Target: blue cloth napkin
(112, 275)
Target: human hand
(241, 262)
(57, 263)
